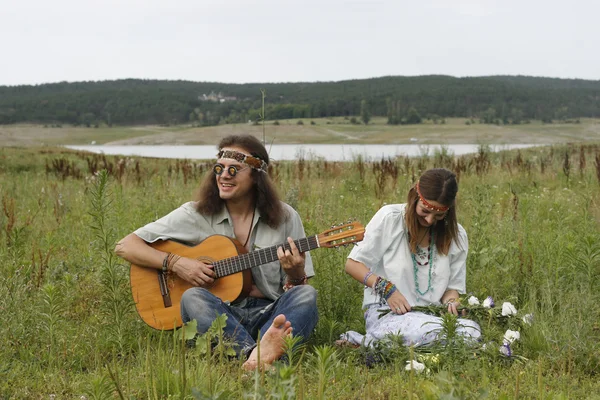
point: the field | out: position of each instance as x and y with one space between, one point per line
69 328
325 130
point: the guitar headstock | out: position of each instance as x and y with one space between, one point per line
340 235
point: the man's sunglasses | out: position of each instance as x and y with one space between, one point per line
232 169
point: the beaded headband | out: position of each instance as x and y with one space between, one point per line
253 162
427 204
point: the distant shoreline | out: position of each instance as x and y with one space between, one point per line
311 131
287 152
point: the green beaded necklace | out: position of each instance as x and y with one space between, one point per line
415 268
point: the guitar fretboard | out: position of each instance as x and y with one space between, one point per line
253 259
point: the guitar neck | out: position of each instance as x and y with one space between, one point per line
253 259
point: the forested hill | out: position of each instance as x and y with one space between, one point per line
134 101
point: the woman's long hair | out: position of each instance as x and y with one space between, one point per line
437 184
265 194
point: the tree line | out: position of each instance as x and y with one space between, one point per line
493 99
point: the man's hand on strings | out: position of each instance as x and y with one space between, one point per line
195 272
292 260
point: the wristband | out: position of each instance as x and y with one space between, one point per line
367 277
165 264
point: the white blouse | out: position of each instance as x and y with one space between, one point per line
386 252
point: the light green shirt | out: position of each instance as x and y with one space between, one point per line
188 226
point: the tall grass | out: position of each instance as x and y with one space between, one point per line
69 329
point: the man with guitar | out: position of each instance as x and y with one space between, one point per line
237 207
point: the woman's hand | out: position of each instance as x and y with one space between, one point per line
453 306
451 300
195 272
292 261
398 303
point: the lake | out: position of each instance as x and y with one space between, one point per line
330 152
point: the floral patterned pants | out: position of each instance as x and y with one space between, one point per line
416 328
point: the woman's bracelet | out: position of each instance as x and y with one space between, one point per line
367 277
384 288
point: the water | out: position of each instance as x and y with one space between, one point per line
330 152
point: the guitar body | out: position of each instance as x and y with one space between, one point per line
165 313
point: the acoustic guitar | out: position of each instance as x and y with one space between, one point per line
157 295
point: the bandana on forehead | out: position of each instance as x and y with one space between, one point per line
427 204
253 162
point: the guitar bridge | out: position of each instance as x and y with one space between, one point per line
164 289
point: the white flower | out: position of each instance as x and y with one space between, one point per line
473 301
488 302
528 319
511 336
505 349
415 365
508 309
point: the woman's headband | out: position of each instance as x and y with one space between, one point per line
253 162
427 204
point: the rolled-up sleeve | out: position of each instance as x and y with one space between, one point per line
182 224
379 235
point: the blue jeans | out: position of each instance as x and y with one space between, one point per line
244 320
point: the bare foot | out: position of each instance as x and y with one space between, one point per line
345 343
271 344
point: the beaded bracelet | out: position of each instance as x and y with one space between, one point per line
295 282
367 277
384 288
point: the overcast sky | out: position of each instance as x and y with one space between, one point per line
289 41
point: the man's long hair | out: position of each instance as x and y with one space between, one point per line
437 184
265 195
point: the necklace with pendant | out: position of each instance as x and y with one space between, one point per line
431 249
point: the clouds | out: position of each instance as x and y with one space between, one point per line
275 41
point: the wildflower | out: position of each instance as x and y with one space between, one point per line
489 302
473 301
429 359
414 365
511 336
508 309
505 350
528 319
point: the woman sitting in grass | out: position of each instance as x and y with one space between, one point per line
413 254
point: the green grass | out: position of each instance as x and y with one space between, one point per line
69 329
